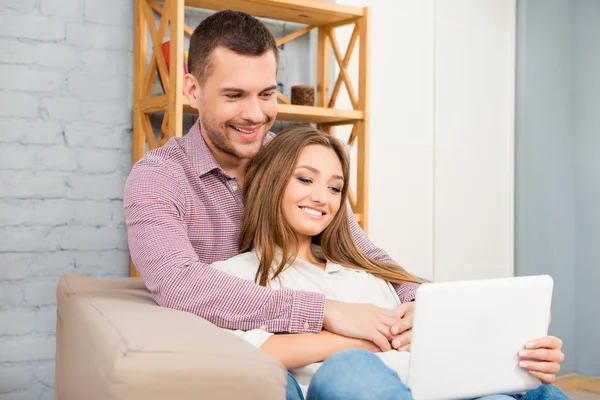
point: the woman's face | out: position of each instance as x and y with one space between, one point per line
313 194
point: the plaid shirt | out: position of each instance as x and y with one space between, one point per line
183 212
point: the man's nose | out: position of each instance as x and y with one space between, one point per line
252 112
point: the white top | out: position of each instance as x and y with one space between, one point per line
336 282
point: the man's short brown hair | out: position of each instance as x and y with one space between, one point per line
234 30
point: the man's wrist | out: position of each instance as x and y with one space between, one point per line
407 292
308 312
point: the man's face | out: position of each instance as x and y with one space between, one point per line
237 103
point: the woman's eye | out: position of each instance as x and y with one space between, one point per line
336 189
304 180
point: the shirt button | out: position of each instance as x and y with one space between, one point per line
263 327
234 188
306 325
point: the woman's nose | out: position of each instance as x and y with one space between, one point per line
318 194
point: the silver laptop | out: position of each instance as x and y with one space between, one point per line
466 336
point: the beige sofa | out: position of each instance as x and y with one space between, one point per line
114 342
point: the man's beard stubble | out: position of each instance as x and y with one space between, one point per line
222 143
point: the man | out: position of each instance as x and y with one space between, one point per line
183 202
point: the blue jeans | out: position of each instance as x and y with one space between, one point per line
361 375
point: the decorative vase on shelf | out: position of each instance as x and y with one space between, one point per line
303 95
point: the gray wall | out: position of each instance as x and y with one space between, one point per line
586 161
65 152
557 167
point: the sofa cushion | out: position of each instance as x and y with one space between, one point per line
115 342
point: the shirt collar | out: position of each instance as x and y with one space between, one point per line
299 263
200 156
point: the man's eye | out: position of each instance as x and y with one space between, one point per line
233 96
304 180
267 95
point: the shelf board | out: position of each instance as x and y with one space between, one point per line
309 12
322 115
286 112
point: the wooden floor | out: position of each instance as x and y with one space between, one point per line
581 395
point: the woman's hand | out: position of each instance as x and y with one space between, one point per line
402 328
542 358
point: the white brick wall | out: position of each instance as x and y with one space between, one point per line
65 151
10 295
30 131
30 79
99 36
70 10
15 378
16 104
31 26
30 347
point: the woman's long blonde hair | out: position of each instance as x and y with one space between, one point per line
264 226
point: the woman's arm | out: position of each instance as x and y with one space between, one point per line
300 349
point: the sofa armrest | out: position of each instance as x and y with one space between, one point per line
117 343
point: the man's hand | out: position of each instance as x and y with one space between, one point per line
542 358
402 328
360 321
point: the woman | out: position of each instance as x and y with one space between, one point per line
296 234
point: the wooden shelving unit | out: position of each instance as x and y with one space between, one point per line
324 17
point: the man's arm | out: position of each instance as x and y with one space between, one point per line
160 248
407 291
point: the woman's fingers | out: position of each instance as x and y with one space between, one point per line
545 378
382 342
402 340
405 348
396 327
403 325
384 329
542 355
548 342
543 367
542 358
